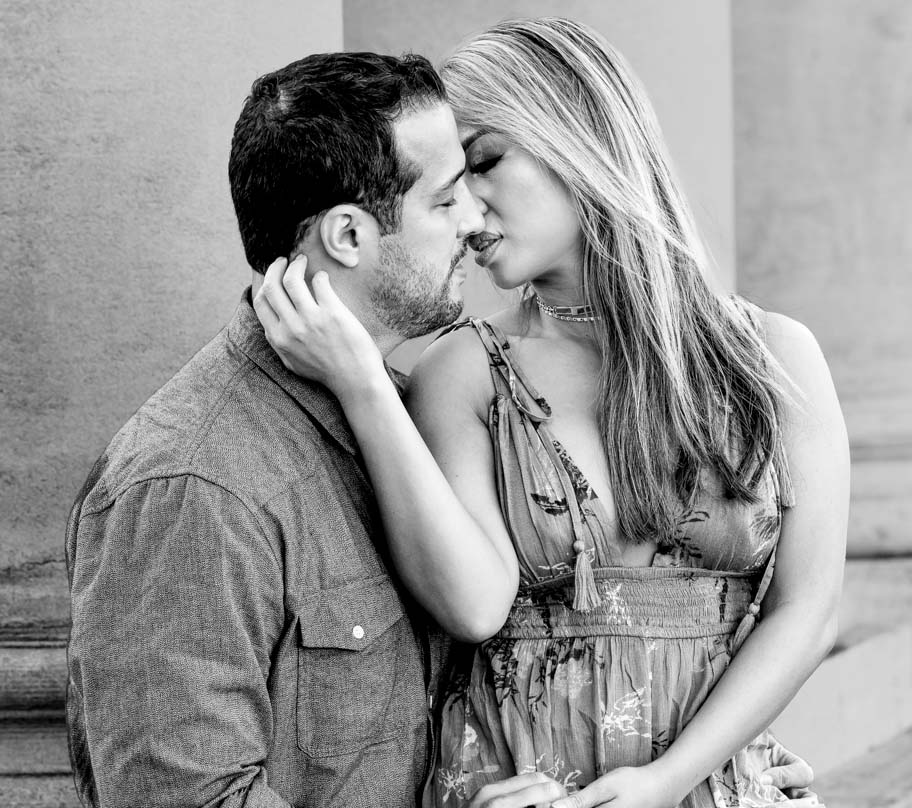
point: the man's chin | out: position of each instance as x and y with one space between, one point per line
444 317
452 314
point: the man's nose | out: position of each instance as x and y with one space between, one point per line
473 210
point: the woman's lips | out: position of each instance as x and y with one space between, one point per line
484 245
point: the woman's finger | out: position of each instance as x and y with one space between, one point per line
323 292
596 793
294 282
519 792
268 318
264 311
274 292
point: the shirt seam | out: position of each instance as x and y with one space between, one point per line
221 402
121 490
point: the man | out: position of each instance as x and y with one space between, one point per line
237 639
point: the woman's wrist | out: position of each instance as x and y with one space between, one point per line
672 782
366 393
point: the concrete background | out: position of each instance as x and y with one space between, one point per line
119 241
823 134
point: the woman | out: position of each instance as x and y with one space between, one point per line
634 446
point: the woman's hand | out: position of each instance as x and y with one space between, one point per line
626 787
523 790
646 787
315 335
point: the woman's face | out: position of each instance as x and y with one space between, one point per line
532 232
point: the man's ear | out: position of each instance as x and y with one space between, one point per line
349 234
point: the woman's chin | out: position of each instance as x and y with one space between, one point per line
502 278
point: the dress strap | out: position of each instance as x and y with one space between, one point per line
746 626
511 384
508 377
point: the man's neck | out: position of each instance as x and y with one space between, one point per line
385 340
386 343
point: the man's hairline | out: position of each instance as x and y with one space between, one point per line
406 164
413 107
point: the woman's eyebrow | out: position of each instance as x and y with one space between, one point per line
469 139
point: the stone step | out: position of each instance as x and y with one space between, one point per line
876 595
860 697
857 699
881 778
38 791
33 744
862 693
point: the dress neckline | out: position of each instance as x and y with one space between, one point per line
570 466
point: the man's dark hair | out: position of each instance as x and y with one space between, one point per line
319 133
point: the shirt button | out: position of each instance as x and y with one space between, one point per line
358 632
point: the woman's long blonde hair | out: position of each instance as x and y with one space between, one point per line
685 373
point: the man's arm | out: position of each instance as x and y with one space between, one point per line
177 601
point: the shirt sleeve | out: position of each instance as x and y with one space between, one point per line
177 603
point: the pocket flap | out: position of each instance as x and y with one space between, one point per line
351 616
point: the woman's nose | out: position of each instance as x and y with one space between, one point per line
474 210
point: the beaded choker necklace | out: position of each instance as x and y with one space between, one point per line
573 314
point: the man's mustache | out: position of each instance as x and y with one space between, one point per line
461 253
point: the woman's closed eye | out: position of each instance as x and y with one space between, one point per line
484 165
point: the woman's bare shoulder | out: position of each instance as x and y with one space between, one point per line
797 351
452 371
791 342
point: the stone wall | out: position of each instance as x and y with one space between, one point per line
121 258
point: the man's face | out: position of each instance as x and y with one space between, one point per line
418 283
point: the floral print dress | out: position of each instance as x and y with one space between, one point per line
577 692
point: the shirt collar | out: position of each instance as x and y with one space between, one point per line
246 332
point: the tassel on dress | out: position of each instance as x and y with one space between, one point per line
586 596
745 627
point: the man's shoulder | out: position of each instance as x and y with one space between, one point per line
219 418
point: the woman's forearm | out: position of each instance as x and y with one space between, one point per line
462 569
443 555
777 658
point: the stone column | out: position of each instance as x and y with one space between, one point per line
121 258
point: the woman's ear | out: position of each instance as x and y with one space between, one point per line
349 235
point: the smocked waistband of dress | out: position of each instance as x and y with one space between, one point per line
662 602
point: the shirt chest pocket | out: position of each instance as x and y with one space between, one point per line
360 674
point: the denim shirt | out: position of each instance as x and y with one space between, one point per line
237 639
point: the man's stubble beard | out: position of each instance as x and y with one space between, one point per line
406 298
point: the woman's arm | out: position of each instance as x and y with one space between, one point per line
800 609
459 565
